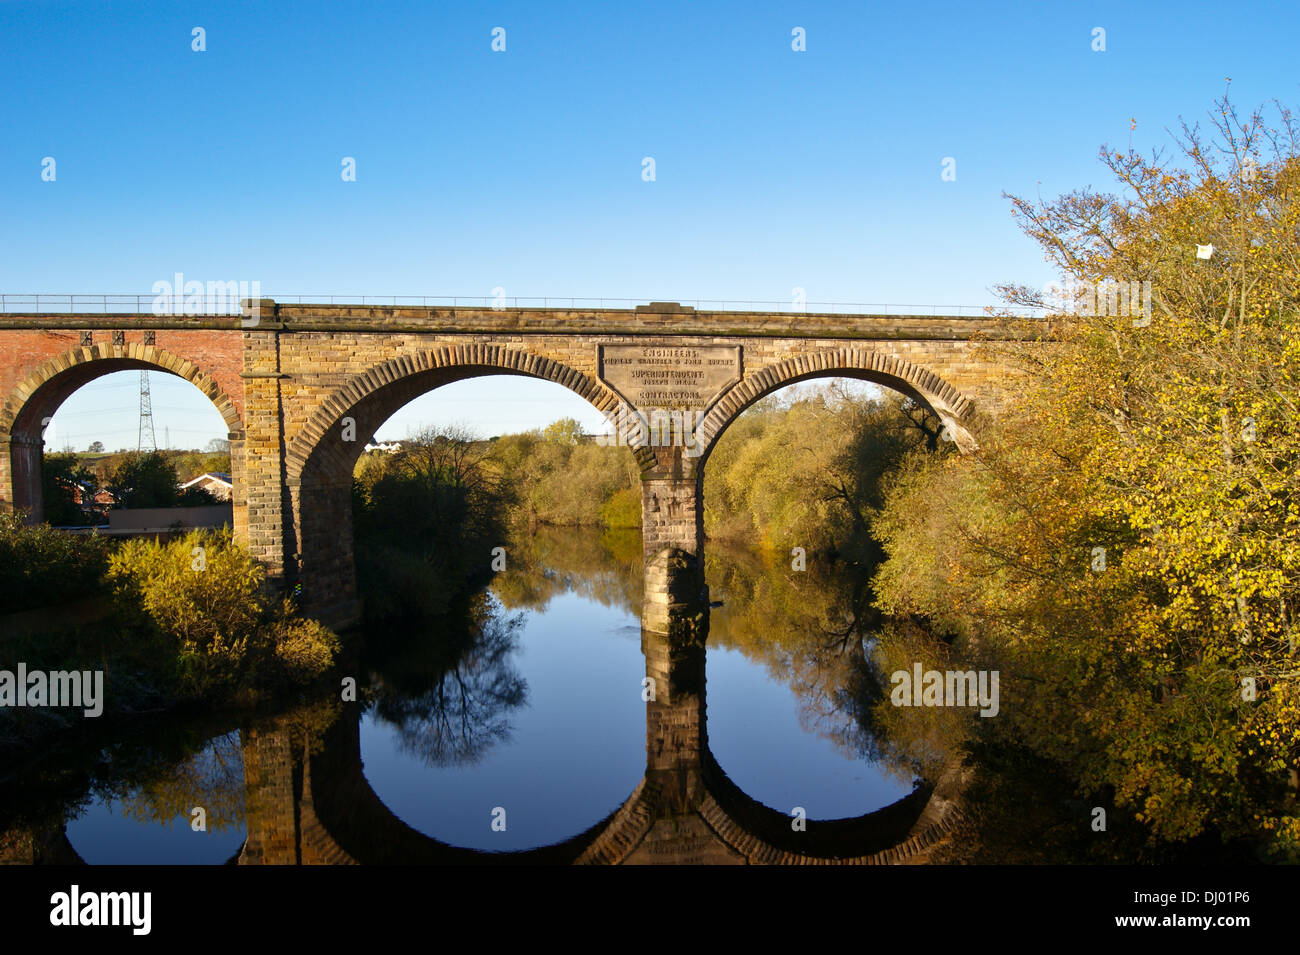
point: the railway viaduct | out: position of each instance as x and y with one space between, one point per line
302 388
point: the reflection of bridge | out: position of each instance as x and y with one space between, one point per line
684 811
303 387
308 801
318 807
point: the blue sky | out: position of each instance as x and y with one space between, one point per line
522 169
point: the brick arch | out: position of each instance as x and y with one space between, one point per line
57 378
916 382
406 378
43 390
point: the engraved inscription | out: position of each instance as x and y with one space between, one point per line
652 376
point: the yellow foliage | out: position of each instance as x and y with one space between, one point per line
1127 539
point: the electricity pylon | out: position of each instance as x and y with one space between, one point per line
146 416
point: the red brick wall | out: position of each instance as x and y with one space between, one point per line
218 353
211 357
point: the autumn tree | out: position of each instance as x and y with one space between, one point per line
425 520
565 431
1125 545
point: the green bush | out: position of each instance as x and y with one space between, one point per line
304 648
201 596
200 587
40 566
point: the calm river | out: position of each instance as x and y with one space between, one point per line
521 723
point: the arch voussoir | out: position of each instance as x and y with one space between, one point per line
903 375
308 442
23 392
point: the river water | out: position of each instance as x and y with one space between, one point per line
521 722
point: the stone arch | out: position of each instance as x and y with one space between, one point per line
318 463
38 395
954 408
406 378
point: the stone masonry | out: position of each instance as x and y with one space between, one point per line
302 388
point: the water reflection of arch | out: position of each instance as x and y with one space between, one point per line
893 833
744 831
319 808
685 810
343 820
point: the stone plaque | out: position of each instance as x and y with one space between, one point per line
670 376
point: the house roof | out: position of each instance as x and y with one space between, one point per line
219 476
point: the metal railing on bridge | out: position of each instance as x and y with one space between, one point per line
144 304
